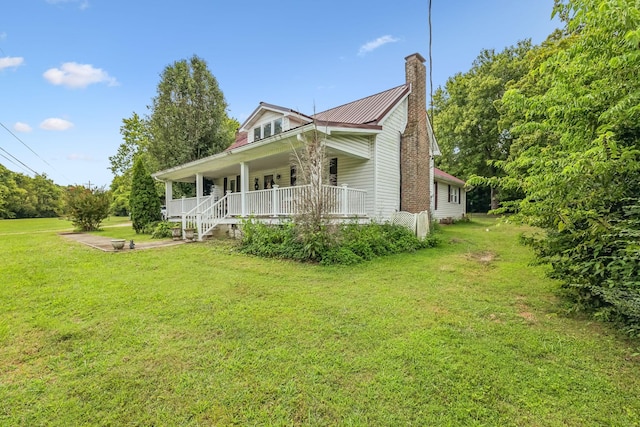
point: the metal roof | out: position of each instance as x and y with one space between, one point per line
369 110
447 177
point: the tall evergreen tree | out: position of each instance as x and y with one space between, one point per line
144 202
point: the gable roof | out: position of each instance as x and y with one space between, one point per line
364 113
369 110
263 106
443 176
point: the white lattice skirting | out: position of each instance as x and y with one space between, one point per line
416 223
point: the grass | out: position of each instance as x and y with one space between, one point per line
465 334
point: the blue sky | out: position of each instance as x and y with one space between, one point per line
71 70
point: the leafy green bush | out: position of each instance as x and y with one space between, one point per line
347 244
162 230
87 208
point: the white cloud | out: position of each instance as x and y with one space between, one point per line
83 4
374 44
74 75
21 127
10 62
80 157
56 124
3 36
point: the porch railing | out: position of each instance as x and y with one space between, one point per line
275 202
205 216
290 201
177 207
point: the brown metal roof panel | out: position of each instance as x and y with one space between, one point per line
366 110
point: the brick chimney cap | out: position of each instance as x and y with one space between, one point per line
417 56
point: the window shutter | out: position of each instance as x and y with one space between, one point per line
435 184
449 193
333 171
459 195
292 176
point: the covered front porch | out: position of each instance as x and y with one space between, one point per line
259 180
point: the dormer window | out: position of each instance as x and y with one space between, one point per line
267 129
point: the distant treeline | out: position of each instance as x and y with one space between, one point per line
24 197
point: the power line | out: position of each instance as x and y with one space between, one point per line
30 149
14 162
431 67
17 160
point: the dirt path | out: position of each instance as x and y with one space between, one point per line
104 243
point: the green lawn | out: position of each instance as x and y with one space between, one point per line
464 334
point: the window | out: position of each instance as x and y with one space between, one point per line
268 182
453 195
333 171
267 129
292 177
207 186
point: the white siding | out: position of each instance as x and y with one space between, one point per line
358 174
284 171
357 145
387 167
446 209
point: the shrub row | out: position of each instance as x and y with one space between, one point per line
345 244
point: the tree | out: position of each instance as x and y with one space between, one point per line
144 202
466 119
87 208
312 170
24 197
188 117
577 156
48 197
136 134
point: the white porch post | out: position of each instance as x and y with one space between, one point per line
198 197
244 186
274 200
168 194
184 218
198 188
345 200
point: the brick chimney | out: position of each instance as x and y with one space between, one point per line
415 155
